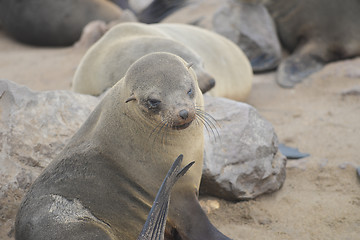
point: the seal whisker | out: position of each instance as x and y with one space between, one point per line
164 131
156 127
211 124
206 118
208 115
165 128
160 127
199 119
210 118
207 125
196 120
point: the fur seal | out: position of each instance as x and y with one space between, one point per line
101 186
213 56
55 23
315 33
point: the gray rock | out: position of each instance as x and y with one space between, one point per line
249 25
34 127
243 161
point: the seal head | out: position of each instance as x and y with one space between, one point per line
155 104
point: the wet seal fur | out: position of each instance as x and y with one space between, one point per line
53 22
213 57
102 185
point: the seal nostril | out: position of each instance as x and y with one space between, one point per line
184 114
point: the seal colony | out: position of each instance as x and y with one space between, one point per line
313 32
213 57
103 183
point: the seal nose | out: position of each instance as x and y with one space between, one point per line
184 114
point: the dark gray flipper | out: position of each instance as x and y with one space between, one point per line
154 227
159 9
295 68
291 153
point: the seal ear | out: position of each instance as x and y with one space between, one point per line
131 98
189 65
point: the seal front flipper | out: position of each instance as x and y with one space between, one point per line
297 67
154 227
189 220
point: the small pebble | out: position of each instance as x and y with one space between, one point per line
351 92
209 205
344 165
265 221
323 163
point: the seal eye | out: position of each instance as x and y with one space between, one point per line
153 103
190 93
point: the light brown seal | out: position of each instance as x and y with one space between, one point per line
101 186
213 57
107 61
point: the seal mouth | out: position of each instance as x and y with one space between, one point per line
181 127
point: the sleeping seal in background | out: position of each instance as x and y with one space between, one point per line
53 22
103 183
213 57
315 33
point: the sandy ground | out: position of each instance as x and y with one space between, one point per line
321 195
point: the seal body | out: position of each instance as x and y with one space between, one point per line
213 57
52 22
101 186
315 33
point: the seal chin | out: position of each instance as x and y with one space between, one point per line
181 127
